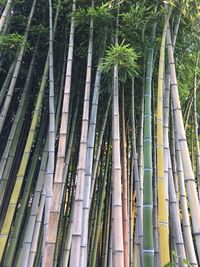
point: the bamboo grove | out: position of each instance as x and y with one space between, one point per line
99 137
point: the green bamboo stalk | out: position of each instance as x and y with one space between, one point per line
13 139
100 210
148 245
18 223
104 258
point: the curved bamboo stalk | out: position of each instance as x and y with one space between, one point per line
188 171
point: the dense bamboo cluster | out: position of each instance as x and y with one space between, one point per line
99 166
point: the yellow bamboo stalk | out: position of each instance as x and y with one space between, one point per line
162 183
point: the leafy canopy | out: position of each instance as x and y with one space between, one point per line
13 40
123 55
100 15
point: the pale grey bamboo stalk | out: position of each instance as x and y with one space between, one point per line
6 82
173 153
175 218
166 128
80 221
90 153
118 248
136 250
37 228
5 14
9 95
29 233
136 175
51 135
188 171
196 126
89 161
58 176
67 245
187 234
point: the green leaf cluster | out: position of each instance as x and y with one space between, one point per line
124 56
11 41
101 15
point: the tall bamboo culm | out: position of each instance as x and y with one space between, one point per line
148 245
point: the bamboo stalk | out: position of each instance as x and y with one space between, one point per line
187 233
58 177
10 92
196 135
148 246
5 13
137 179
125 190
162 183
51 138
80 220
188 171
